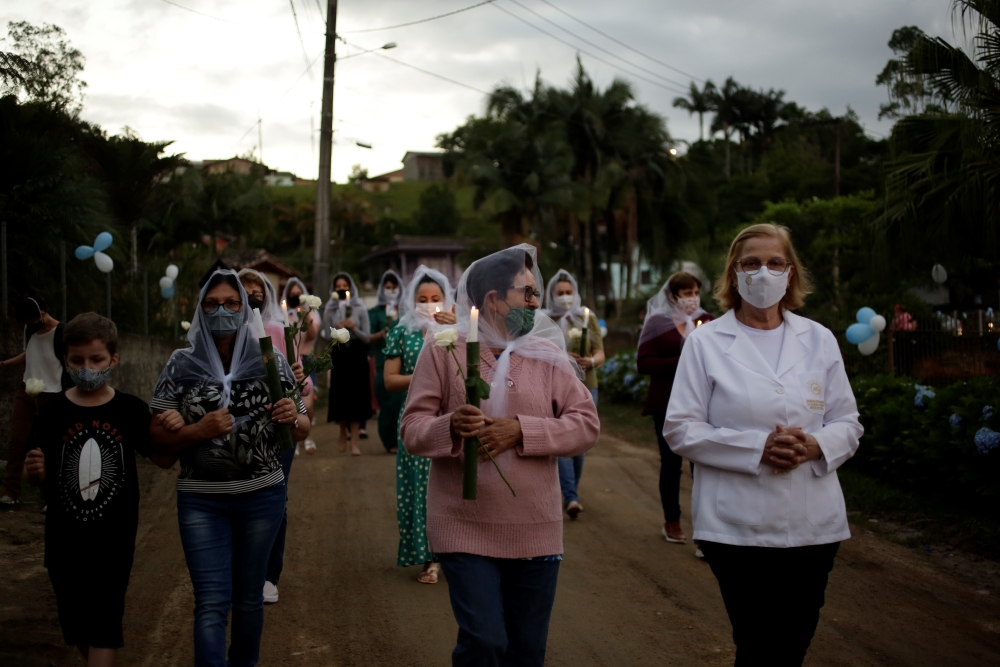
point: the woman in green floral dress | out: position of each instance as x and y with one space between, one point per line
428 306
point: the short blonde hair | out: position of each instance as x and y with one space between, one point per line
799 285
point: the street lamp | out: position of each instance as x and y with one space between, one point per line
384 47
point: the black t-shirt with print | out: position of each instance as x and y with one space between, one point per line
91 483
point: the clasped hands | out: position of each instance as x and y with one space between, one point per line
498 434
788 447
220 422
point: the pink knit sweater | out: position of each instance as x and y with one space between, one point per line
558 418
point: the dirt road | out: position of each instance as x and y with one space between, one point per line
625 596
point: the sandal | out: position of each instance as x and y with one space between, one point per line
310 447
430 574
673 533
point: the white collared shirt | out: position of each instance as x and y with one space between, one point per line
726 399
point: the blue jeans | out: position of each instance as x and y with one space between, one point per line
227 538
502 607
570 471
276 562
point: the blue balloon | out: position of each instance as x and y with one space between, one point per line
103 241
167 293
859 333
865 315
84 252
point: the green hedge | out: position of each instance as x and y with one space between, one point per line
939 441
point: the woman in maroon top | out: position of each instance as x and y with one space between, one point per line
671 315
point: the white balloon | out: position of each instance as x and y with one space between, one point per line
939 274
166 282
877 323
172 272
869 346
104 263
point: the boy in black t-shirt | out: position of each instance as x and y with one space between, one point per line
82 452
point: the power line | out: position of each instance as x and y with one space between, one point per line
597 46
673 89
419 69
432 18
215 18
621 43
295 16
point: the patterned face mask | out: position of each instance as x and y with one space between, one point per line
519 321
89 379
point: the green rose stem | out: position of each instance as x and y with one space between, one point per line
284 431
476 389
290 345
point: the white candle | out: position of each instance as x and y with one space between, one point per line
473 336
348 295
284 309
258 323
586 316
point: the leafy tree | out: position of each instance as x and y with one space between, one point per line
437 214
42 65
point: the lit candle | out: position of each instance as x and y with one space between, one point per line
586 316
284 309
348 295
258 324
473 336
437 309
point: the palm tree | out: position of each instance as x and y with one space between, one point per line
726 103
698 102
943 178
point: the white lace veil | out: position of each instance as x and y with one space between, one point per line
271 312
201 361
335 310
484 284
566 317
409 317
383 299
664 314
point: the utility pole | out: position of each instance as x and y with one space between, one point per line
260 139
321 243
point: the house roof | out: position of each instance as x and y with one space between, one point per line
423 154
401 244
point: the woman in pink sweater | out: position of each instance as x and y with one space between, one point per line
500 553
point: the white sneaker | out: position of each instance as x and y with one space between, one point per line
310 447
270 593
7 500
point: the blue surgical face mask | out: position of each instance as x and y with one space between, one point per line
89 379
222 322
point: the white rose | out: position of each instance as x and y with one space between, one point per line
311 302
34 386
575 333
446 337
342 336
185 325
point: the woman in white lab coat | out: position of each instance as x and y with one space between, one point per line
761 403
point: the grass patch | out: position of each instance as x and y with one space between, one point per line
937 518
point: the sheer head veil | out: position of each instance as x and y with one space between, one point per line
664 314
288 286
383 299
566 317
340 305
409 317
271 313
201 362
495 284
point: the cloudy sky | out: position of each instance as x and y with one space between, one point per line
199 76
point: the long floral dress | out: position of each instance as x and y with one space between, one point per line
411 471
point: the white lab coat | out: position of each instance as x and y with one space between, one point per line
726 400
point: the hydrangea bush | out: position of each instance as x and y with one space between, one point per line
619 380
937 440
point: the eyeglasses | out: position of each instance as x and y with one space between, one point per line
530 293
231 306
752 265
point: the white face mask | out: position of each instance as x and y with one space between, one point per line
565 302
427 310
392 294
762 290
689 304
